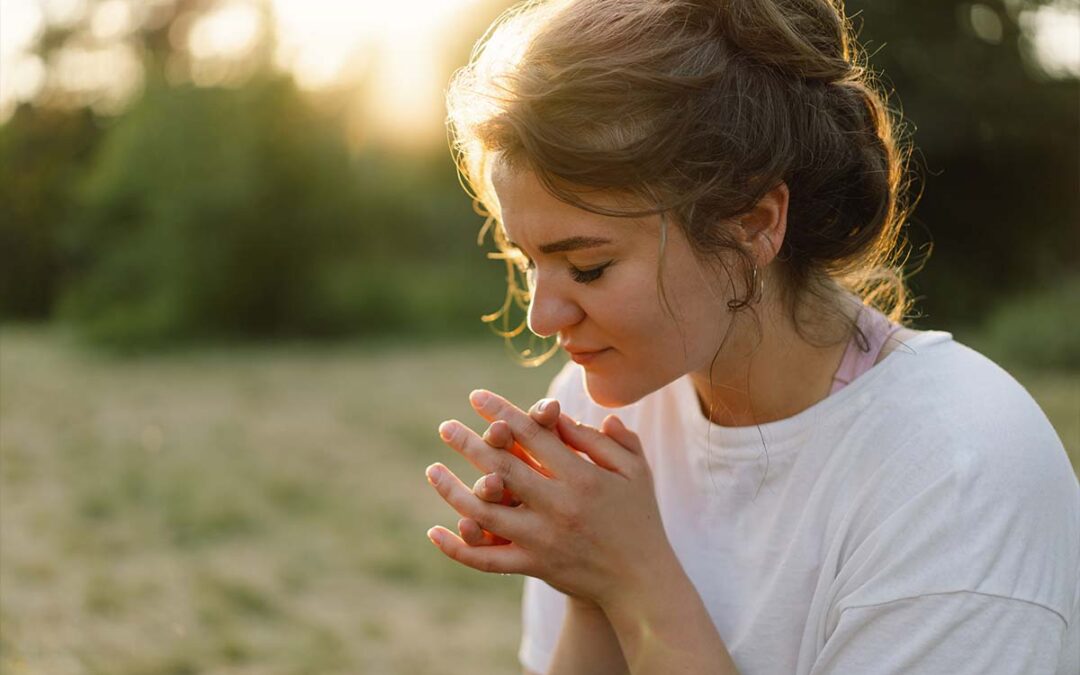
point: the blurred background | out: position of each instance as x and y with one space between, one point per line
240 287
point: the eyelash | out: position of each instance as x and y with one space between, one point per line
580 276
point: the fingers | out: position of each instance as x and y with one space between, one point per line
508 522
526 483
542 443
613 426
604 450
499 435
490 488
546 412
474 535
509 559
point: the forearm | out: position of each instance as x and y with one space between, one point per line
663 627
587 643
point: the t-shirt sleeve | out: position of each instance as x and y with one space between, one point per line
962 633
543 607
961 553
542 612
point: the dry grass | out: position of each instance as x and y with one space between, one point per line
254 511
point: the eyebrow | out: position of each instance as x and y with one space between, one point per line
569 244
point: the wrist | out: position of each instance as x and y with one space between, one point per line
650 591
658 573
581 604
663 625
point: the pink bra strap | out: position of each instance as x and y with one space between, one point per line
878 329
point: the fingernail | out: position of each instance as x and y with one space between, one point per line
435 536
489 482
434 474
544 405
479 398
446 430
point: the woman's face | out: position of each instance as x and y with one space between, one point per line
605 295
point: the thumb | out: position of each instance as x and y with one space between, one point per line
613 426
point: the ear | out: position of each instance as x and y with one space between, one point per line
764 225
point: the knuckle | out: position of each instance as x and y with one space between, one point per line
503 467
485 564
571 517
639 468
529 430
485 517
546 540
587 484
575 524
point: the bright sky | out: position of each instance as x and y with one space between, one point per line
396 47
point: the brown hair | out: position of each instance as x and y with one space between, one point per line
699 108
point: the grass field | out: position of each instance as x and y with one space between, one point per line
255 511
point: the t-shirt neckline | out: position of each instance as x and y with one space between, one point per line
780 436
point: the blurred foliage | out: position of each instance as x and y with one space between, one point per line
216 213
42 154
1036 329
996 155
208 210
238 212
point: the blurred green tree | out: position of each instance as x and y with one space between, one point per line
996 139
43 153
208 211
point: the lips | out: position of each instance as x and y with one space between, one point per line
587 356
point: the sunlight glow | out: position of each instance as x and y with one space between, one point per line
102 77
227 32
388 56
111 20
1054 30
390 52
21 75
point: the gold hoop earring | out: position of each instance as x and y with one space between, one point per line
759 284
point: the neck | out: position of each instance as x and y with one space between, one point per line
772 377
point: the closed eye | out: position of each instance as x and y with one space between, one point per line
579 275
588 276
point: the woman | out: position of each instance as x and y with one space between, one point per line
751 465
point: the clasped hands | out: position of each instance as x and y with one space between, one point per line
591 529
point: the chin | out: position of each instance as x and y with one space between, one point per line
608 394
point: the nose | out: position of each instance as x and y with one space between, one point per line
551 309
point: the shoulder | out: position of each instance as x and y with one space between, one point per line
941 393
948 410
897 340
953 479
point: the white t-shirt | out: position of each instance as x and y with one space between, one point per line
923 519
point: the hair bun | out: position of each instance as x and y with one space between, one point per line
805 38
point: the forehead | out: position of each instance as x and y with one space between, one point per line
530 214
